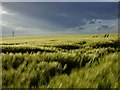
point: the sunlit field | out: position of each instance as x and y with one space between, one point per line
71 61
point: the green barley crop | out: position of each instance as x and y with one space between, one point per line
72 61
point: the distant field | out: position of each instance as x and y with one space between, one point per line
71 61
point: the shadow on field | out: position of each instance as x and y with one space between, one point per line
23 50
67 47
13 43
10 43
53 40
81 43
113 44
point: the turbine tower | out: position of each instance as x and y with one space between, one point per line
13 33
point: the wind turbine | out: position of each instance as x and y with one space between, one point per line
13 33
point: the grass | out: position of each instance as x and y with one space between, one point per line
73 61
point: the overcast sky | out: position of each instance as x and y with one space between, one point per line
60 0
58 18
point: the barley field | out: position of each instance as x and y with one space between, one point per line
69 61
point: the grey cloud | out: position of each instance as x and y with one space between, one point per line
60 1
58 17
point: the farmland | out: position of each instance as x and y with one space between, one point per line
71 61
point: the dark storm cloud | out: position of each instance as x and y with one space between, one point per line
55 16
71 11
61 1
